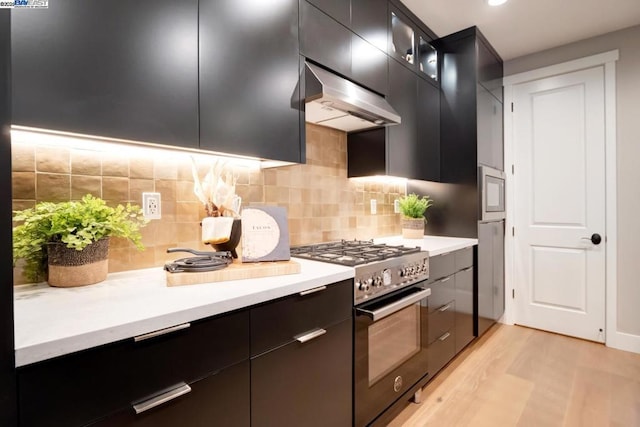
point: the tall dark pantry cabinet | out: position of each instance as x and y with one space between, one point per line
7 362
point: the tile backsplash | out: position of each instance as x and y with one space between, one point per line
322 203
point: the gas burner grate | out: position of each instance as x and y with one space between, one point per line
350 252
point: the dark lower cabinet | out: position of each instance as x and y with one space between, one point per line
84 387
301 364
451 327
249 73
116 69
464 308
490 295
305 384
221 399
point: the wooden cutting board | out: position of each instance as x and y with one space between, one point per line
235 271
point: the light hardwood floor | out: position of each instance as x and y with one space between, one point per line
515 376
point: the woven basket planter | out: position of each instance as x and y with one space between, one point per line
69 267
413 228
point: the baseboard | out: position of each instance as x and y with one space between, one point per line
624 341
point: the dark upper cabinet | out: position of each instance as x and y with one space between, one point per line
368 65
340 10
428 122
324 40
403 138
471 116
410 149
490 129
369 21
117 69
402 38
249 72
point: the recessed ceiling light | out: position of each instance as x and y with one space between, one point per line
496 2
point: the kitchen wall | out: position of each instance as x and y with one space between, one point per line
627 41
322 203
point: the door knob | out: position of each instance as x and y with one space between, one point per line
595 238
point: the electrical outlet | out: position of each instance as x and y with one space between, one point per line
396 206
374 206
151 205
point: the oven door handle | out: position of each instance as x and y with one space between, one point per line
395 306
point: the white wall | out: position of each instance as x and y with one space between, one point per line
627 41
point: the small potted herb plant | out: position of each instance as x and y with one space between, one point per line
413 209
68 242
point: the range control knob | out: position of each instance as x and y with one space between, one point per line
377 281
363 286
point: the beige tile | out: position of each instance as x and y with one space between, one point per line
188 231
141 259
23 158
23 185
137 187
270 177
86 162
141 167
185 171
166 234
164 168
19 205
83 184
167 188
115 189
184 192
53 159
53 187
189 212
119 260
168 211
115 164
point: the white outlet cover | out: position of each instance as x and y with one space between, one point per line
396 206
152 205
374 206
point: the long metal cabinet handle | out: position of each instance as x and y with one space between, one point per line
394 307
312 291
445 336
161 332
446 279
468 268
310 335
445 307
180 390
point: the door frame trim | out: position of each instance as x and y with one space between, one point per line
613 338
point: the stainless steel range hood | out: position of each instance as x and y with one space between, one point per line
336 102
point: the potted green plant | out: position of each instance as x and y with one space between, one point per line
68 242
413 209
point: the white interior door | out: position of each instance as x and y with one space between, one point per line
559 202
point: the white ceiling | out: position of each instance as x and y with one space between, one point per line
520 27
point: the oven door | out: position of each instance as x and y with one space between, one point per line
390 349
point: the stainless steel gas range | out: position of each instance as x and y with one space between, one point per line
390 320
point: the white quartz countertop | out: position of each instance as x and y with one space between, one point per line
434 245
51 322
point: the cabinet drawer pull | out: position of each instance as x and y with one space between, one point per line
161 332
180 390
310 335
444 308
445 336
446 279
468 268
313 291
